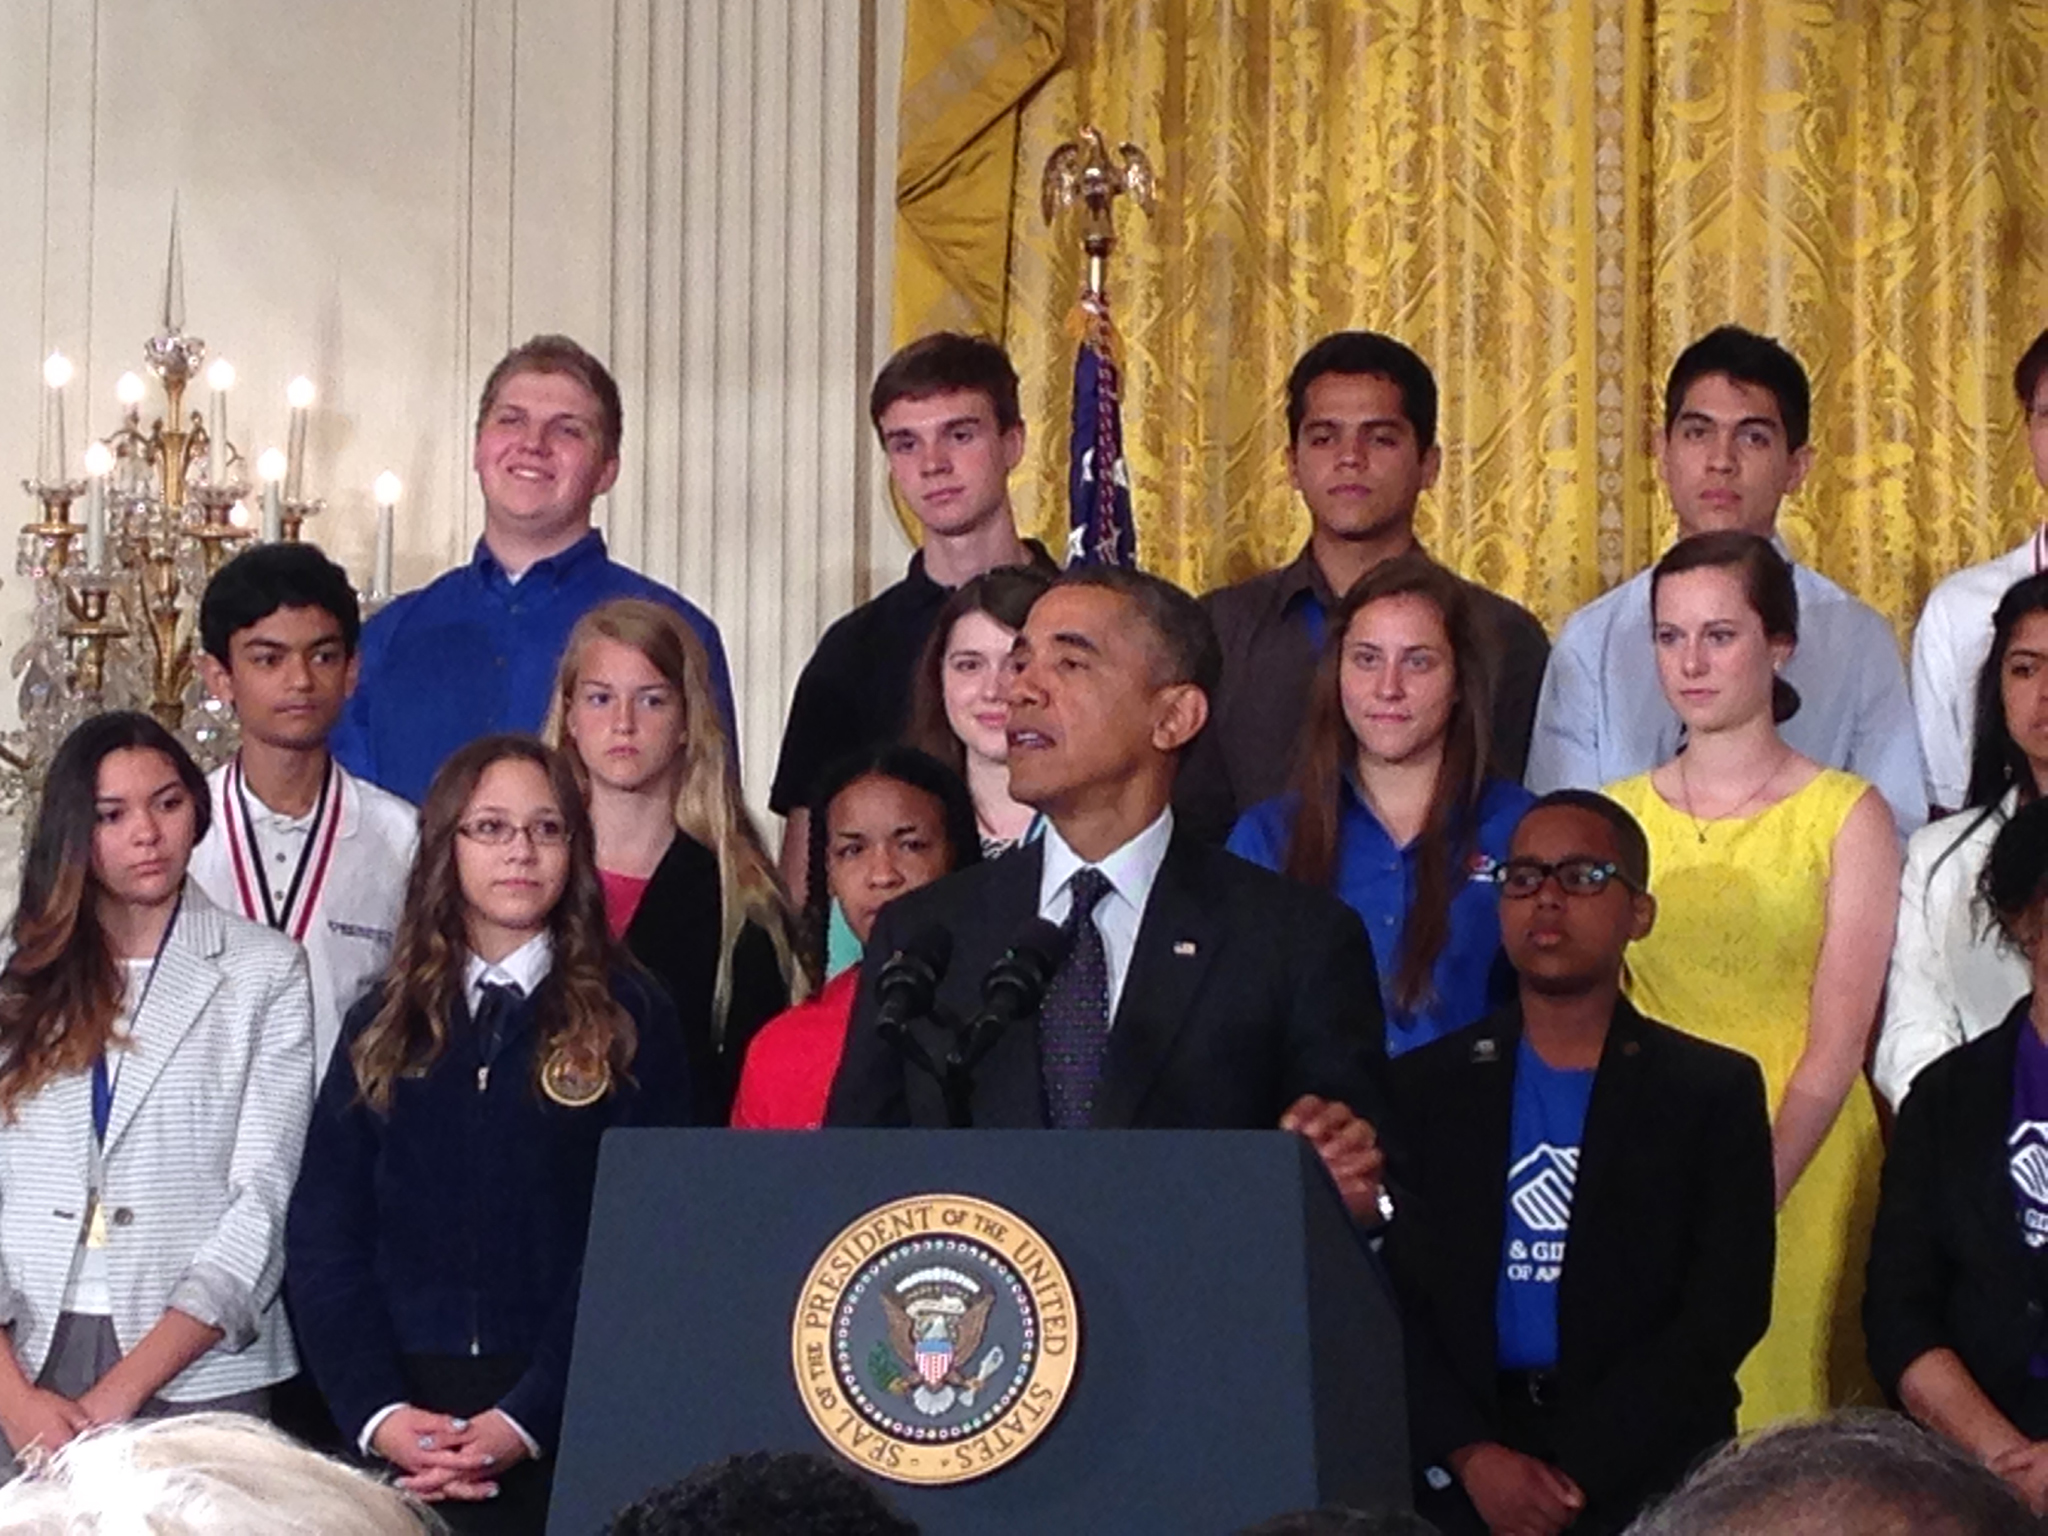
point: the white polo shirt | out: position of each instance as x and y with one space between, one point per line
350 868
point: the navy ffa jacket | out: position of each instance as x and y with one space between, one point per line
455 1224
1667 1269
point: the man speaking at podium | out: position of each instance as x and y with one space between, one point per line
1195 991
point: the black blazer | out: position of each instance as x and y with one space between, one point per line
674 934
1667 1270
1948 1267
1245 991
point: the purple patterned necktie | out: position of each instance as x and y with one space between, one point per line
1073 1026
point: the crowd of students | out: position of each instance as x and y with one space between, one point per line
1576 966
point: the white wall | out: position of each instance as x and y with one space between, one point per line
386 194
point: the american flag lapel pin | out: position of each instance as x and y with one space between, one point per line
1184 947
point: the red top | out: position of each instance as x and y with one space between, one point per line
792 1061
622 895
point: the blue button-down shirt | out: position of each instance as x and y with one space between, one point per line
1603 716
1376 879
475 652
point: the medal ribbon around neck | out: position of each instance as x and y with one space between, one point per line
301 897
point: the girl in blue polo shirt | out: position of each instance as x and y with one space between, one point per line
1391 808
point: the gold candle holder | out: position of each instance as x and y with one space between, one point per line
215 529
90 626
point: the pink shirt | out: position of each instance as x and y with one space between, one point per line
622 895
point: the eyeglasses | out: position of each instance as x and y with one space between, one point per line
1522 878
496 831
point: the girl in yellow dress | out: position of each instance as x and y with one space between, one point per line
1776 882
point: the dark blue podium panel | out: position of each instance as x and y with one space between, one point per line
1239 1348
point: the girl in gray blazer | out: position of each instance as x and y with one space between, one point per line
156 1069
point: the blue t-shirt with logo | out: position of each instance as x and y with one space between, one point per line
1544 1134
2027 1149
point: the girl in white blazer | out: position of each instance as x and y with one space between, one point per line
1953 974
155 1083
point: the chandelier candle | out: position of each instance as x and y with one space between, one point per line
220 378
51 461
387 492
299 396
270 467
99 461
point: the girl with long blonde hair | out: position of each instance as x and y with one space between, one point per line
688 885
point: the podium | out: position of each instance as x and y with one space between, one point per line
1235 1347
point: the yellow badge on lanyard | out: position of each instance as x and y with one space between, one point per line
96 1225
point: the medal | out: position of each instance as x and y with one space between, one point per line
295 915
571 1083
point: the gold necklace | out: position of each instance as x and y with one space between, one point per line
1685 783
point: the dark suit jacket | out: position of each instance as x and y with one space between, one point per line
1667 1270
674 933
1948 1267
1245 991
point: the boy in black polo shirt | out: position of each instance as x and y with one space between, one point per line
945 408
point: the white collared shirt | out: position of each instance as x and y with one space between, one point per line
355 920
1131 870
1950 642
525 968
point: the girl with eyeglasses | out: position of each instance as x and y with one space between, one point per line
156 1069
436 1234
1392 809
688 887
1776 882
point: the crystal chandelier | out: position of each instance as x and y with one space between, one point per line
116 593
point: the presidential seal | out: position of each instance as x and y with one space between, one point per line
935 1339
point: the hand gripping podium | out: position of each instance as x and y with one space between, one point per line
1102 1332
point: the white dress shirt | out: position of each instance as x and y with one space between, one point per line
1131 870
1950 644
88 1293
1953 977
1602 715
525 968
355 919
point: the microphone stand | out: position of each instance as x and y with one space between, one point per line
954 1074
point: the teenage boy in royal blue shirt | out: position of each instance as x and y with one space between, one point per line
1584 1229
475 651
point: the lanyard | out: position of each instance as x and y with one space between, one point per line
296 915
103 1082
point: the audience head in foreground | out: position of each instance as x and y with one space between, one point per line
207 1474
1855 1474
763 1493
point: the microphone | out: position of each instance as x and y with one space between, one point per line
1015 985
906 989
910 977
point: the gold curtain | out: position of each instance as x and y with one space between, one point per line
1547 198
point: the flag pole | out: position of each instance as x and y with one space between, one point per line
1082 174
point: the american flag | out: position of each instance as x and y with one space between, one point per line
1100 527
